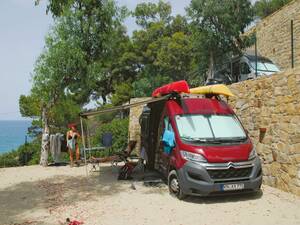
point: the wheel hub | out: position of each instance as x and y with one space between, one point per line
174 185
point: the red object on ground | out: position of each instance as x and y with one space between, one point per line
178 86
75 222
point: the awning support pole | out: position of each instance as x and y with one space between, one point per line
292 43
83 143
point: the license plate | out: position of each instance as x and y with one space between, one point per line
232 187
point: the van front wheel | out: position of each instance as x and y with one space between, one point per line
174 186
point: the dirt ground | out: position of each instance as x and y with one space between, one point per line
36 195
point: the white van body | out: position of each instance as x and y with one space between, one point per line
247 64
244 68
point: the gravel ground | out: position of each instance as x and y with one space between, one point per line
37 195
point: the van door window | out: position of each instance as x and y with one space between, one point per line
168 137
167 124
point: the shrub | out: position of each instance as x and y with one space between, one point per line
119 130
9 159
26 154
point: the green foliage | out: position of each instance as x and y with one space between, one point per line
148 13
144 86
29 106
106 117
163 48
64 112
175 56
9 159
119 130
26 154
263 8
123 93
217 27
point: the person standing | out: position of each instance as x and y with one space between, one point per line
72 144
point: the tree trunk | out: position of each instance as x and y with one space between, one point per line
45 139
210 72
104 99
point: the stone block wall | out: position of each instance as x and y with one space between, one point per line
274 35
269 109
134 129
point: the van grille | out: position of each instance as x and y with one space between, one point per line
231 173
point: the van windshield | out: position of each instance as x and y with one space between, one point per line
205 128
265 66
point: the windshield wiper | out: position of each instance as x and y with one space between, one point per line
201 140
233 139
188 138
214 140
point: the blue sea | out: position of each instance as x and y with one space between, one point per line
12 134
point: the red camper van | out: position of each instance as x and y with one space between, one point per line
198 143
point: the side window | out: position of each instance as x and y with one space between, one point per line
167 124
245 68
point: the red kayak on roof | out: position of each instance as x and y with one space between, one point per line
178 87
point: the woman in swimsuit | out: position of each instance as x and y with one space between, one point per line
72 144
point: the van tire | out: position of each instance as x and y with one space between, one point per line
174 186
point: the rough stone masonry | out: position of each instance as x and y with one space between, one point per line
269 108
274 35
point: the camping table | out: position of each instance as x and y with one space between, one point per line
93 149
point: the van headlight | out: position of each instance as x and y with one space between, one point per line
192 156
252 154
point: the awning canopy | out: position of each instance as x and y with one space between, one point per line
122 107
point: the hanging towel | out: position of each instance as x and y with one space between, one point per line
55 146
71 143
169 141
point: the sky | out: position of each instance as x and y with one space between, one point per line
23 29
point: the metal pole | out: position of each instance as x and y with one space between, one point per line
83 143
231 70
292 42
255 56
88 139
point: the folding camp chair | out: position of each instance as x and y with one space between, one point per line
130 163
123 156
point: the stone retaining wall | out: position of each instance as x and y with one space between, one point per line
274 35
269 108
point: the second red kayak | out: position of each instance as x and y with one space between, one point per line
178 86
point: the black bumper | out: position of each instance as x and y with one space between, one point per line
194 179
